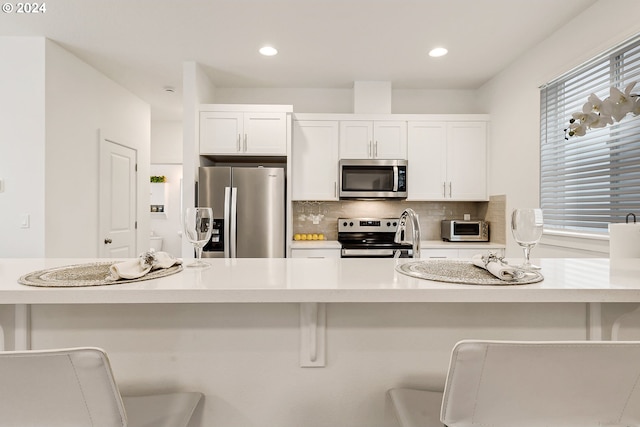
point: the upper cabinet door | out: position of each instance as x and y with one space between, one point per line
360 139
467 160
265 134
389 140
220 132
427 170
238 133
356 139
447 161
315 160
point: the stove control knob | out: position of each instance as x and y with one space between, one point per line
395 224
351 224
344 223
388 224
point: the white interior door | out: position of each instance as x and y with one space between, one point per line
118 189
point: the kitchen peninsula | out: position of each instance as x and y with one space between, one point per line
326 280
238 327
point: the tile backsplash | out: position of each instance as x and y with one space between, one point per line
322 217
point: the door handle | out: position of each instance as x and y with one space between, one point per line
107 241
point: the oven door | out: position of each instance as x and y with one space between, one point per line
371 179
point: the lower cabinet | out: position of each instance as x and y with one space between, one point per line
457 253
315 253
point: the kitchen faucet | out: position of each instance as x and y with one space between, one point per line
401 231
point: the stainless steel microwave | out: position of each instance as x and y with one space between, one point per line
373 179
455 230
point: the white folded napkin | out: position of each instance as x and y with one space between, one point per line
497 267
138 267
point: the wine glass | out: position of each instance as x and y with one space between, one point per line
197 224
526 226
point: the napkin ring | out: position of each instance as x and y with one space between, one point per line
492 257
148 258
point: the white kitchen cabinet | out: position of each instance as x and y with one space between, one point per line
243 133
448 160
316 253
458 253
364 139
315 160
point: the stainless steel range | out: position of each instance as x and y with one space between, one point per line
370 238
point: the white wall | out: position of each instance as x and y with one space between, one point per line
22 131
166 142
341 100
79 102
197 89
513 100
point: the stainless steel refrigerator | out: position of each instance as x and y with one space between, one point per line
248 209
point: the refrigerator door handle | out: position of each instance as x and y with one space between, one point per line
227 219
233 253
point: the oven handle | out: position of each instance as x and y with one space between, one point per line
371 252
395 178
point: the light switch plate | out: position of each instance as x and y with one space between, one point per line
1 185
25 220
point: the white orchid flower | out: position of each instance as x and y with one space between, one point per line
598 113
594 104
636 106
621 102
577 129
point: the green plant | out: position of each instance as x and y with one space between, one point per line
159 178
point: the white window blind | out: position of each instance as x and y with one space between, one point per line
587 182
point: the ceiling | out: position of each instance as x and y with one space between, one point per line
142 44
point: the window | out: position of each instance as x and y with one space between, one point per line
587 182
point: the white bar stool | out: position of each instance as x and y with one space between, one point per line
531 384
76 388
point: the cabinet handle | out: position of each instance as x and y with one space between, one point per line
375 149
238 150
107 241
444 189
245 142
450 191
370 149
335 189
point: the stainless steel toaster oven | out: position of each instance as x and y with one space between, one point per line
456 230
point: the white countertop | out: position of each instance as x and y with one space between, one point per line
327 280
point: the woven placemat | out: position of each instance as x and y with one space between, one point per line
463 272
91 274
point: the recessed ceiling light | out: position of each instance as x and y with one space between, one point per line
268 51
438 51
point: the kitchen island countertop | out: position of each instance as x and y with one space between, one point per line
330 280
